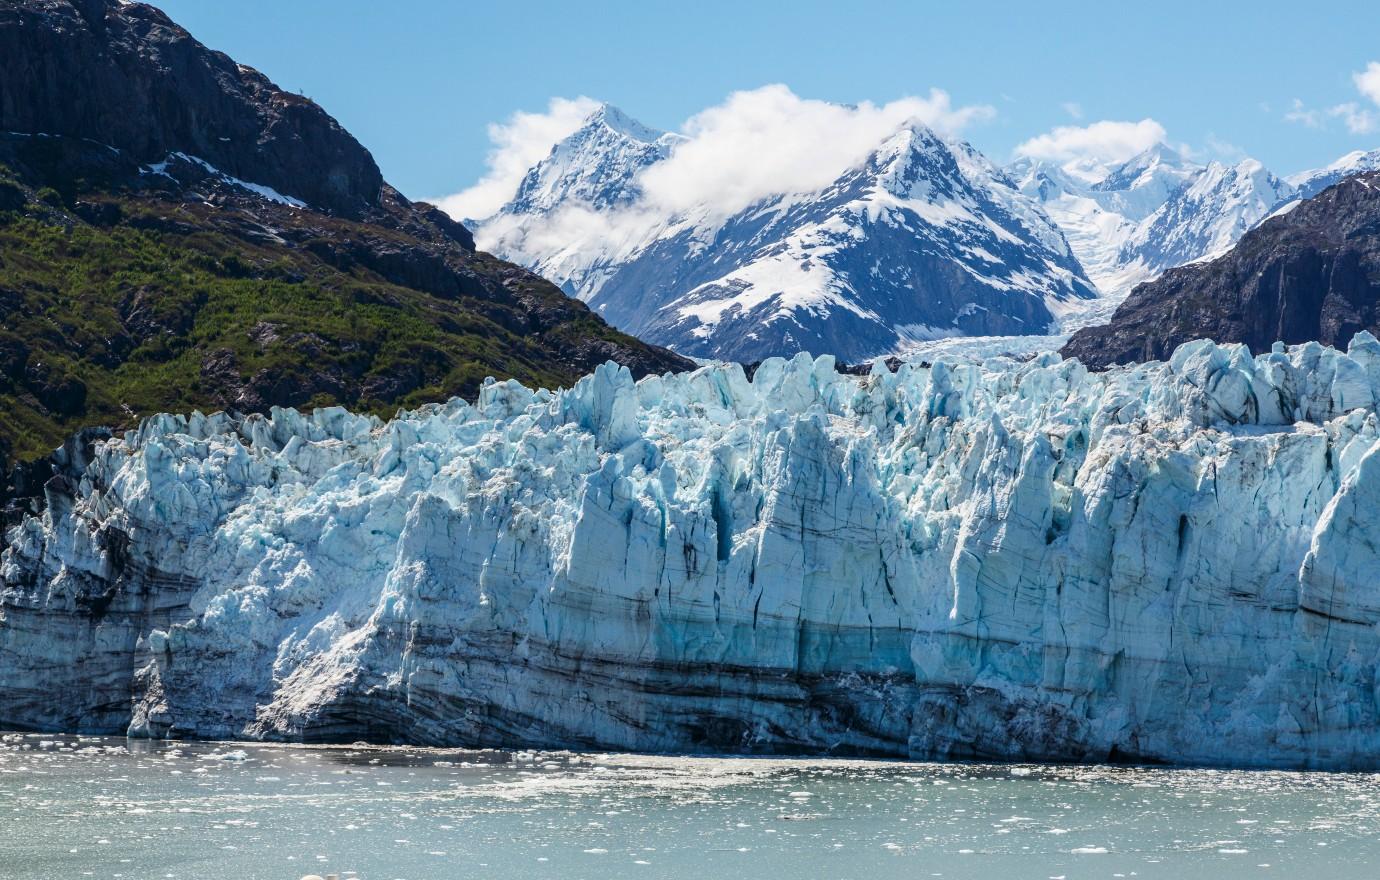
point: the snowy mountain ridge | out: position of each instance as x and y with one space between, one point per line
1127 223
597 165
1310 183
923 238
917 247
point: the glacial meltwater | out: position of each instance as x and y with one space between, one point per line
73 807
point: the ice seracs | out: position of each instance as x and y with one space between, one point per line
1167 562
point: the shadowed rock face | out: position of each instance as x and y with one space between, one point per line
1312 274
1169 563
124 74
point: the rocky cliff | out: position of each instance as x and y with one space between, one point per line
1309 273
125 75
1170 563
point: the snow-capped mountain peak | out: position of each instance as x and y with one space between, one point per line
1159 166
914 163
1310 183
1130 221
1041 181
596 165
1204 218
923 237
619 122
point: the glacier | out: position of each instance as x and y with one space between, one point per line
1170 562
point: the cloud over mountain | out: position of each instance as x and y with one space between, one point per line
755 143
1105 141
518 144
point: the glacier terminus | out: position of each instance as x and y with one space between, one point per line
1168 562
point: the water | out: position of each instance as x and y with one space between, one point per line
74 807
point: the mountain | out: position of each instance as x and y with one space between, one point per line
1131 221
1308 274
1099 207
177 232
1309 183
923 238
124 75
597 165
552 224
1172 563
1206 216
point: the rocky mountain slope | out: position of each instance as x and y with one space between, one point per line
1311 273
1166 563
923 238
176 232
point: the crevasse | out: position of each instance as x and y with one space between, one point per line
1170 562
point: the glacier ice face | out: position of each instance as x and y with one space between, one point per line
1170 562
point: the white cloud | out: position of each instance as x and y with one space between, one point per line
1073 109
518 144
1225 149
769 140
1104 141
1368 81
1358 119
1298 113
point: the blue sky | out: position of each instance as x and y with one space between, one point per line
419 82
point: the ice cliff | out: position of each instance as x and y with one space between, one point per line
1171 562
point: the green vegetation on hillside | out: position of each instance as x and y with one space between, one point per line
102 325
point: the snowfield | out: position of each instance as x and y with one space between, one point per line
1167 562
